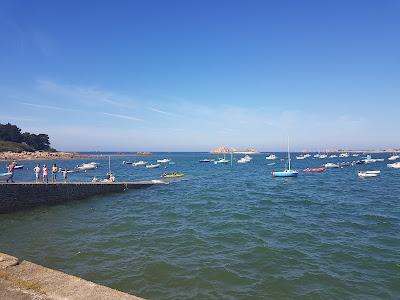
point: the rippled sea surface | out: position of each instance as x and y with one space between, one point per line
224 232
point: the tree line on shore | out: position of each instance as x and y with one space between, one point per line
12 133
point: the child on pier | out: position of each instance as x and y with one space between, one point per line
45 171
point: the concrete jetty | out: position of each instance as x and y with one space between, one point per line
23 280
18 196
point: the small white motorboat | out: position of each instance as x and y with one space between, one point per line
152 166
221 161
369 173
370 160
356 155
205 160
139 163
271 157
301 157
394 165
86 167
5 176
333 156
394 157
164 160
331 166
323 156
245 159
343 155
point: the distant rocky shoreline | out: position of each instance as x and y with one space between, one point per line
42 155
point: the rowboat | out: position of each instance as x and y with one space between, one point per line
315 170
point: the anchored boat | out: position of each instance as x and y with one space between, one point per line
152 166
172 175
315 170
369 173
288 172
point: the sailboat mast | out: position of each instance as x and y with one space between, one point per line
288 151
109 164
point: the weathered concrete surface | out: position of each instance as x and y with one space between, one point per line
26 281
17 196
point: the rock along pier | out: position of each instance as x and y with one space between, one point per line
18 196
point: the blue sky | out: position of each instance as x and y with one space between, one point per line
194 75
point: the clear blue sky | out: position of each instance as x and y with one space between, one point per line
194 75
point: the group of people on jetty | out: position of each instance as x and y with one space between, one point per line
44 170
45 173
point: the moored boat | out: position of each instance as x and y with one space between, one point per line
172 175
164 160
287 172
271 157
139 163
394 157
331 166
394 165
315 170
86 167
152 166
369 173
206 160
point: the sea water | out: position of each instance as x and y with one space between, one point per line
223 232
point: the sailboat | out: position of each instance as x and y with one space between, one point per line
288 172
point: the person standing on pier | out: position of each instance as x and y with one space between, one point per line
10 169
54 171
45 171
65 174
37 172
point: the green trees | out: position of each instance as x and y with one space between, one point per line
11 133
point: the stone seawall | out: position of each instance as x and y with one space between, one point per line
23 280
17 196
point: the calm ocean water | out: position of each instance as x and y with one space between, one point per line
224 232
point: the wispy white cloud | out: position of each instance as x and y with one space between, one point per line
160 111
122 116
44 106
85 93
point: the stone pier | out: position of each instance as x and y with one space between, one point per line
23 280
18 196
